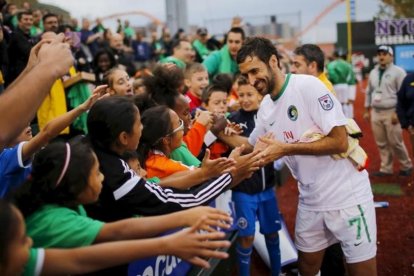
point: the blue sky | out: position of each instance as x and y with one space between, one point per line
212 13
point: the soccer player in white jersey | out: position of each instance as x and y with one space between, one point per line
335 199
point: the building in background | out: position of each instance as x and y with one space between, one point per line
177 15
367 35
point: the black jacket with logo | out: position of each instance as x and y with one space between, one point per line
125 194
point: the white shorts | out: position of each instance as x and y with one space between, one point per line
352 92
342 92
355 228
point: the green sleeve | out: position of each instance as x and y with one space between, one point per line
61 227
351 79
212 63
201 49
332 75
34 265
184 155
154 180
180 64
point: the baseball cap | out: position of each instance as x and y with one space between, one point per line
202 31
385 49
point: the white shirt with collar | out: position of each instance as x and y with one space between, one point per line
324 183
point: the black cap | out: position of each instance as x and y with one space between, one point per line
385 49
202 31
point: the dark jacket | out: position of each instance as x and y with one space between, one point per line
125 194
263 178
405 102
19 50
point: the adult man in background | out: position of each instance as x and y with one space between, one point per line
19 46
182 54
309 59
380 106
405 106
224 60
200 45
123 54
37 27
341 75
51 23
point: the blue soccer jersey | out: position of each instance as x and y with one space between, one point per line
13 170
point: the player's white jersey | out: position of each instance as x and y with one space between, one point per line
324 183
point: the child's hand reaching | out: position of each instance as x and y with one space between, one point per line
192 246
219 124
214 218
98 93
205 118
232 129
246 164
216 167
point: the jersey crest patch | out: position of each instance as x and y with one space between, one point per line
292 113
326 102
242 223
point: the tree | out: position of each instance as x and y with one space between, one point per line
400 8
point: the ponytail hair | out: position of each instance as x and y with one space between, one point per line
163 86
156 122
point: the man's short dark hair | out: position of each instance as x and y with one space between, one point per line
46 16
20 14
312 53
259 47
176 43
237 30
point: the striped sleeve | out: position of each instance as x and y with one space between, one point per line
147 198
191 198
125 193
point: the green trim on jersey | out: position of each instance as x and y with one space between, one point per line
35 262
282 90
154 180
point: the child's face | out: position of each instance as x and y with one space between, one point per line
217 103
104 63
249 98
135 135
134 164
121 84
176 137
19 246
92 191
198 81
182 108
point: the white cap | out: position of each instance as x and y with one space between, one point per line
386 49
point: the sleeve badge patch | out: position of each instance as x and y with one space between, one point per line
326 102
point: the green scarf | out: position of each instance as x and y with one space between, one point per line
201 49
227 64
